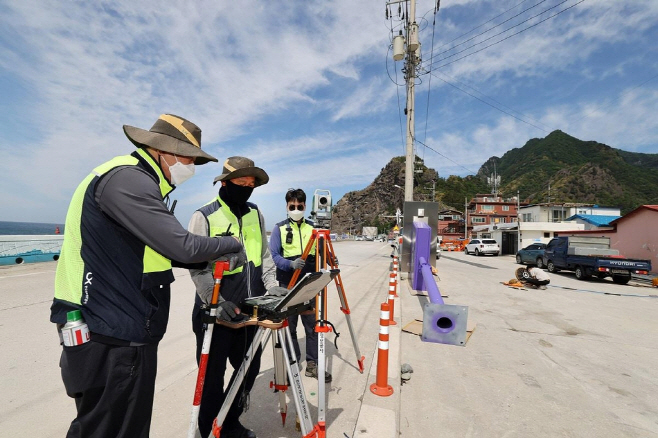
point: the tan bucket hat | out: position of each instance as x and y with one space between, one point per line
173 134
235 167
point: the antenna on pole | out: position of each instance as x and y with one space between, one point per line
494 182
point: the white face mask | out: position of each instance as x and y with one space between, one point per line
180 172
296 215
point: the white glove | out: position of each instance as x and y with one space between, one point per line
234 259
277 291
298 263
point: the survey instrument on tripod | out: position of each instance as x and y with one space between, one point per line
326 257
209 320
271 313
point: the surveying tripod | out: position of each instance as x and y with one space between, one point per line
286 369
285 362
325 255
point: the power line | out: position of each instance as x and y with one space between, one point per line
488 21
429 85
400 113
506 38
487 103
397 88
500 24
447 158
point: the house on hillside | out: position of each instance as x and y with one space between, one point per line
634 235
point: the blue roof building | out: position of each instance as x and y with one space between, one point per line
593 221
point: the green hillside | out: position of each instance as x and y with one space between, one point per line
577 171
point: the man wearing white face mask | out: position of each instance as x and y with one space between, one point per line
287 243
115 268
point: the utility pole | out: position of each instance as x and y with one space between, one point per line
412 59
465 218
518 221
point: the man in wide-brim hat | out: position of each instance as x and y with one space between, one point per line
115 267
231 212
175 139
237 167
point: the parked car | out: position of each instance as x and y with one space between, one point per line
438 253
531 254
360 238
482 247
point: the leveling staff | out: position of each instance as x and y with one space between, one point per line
116 268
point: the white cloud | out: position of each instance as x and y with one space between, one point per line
300 86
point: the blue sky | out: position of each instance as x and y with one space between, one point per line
307 88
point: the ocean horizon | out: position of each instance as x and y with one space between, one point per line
29 228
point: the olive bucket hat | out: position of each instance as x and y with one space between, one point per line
235 167
172 134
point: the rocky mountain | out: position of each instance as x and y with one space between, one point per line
577 171
375 205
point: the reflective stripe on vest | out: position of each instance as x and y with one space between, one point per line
252 238
300 237
69 278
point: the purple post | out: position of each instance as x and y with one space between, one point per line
429 283
421 248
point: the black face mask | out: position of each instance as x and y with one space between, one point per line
235 195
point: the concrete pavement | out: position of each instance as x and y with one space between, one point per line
32 397
575 360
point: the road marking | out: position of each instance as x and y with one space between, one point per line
25 275
468 263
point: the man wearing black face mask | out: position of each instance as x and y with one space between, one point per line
230 212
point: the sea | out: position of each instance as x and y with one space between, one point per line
29 228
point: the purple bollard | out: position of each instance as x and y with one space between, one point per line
421 249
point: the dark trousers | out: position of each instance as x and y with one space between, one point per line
113 389
226 344
537 282
308 321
